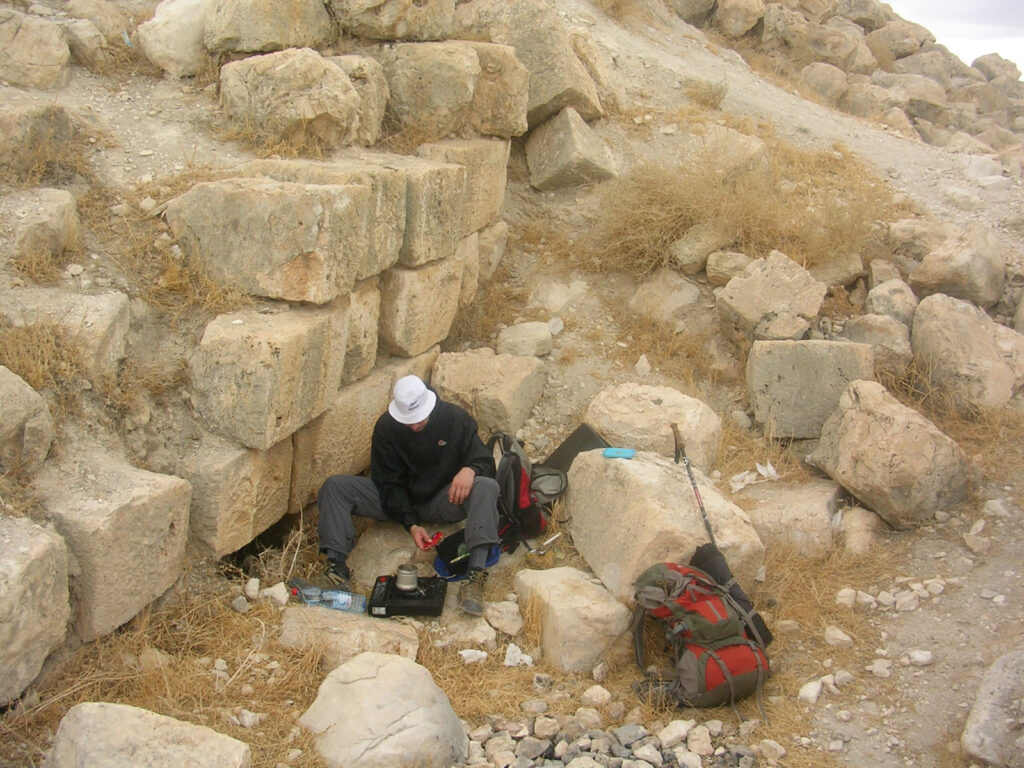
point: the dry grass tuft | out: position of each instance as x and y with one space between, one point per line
404 140
709 95
46 356
42 266
482 318
53 160
742 450
157 272
685 357
275 682
810 205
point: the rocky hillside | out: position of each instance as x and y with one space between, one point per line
795 229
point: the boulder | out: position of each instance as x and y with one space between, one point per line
565 152
655 503
962 351
379 710
260 375
50 227
499 391
34 612
971 267
723 266
866 100
734 18
579 618
432 86
125 527
825 81
395 19
690 252
343 635
880 271
893 298
992 65
889 338
843 269
98 324
891 457
534 29
799 516
258 26
775 287
916 238
640 416
920 97
26 426
502 94
897 39
793 386
338 441
859 529
34 51
492 245
671 300
418 306
111 19
297 242
389 188
237 492
173 38
989 735
89 47
367 77
868 14
525 340
434 205
115 735
601 68
486 164
363 321
27 126
293 96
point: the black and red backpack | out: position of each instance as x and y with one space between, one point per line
526 491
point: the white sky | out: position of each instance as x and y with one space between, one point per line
971 28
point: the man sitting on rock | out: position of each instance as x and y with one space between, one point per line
427 465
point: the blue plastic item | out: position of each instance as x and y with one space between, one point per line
619 453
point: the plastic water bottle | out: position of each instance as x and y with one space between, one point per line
340 600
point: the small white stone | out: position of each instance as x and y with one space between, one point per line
880 668
252 588
595 696
771 750
835 637
809 692
846 597
921 658
473 655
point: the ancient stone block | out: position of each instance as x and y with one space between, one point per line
34 612
363 320
34 52
891 457
125 527
395 19
173 38
418 306
257 26
656 519
499 391
579 618
565 152
298 242
26 426
259 376
793 386
486 162
237 493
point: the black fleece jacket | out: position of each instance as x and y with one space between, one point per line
411 467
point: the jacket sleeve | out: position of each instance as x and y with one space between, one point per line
388 474
475 453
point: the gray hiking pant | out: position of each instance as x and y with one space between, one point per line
342 496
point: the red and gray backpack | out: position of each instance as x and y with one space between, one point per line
718 652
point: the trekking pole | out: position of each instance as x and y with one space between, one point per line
680 452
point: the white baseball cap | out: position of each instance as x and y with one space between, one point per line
412 402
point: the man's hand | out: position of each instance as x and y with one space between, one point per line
461 485
420 536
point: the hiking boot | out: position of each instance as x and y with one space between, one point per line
471 593
334 576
